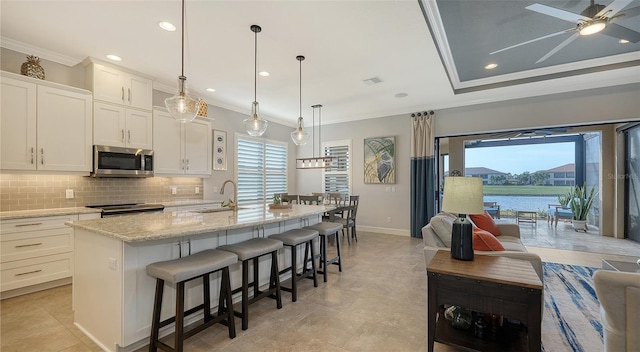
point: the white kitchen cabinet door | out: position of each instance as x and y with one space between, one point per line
109 124
181 148
167 141
64 128
112 85
108 84
18 132
117 126
139 92
197 152
139 129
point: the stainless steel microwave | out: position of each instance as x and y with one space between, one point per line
121 162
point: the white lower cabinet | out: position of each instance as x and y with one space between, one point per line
35 251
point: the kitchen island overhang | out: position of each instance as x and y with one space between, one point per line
113 295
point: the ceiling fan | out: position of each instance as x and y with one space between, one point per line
594 19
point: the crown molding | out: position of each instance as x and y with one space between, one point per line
39 52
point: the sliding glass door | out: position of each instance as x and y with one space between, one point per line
632 179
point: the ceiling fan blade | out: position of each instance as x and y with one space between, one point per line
533 40
560 46
558 13
634 11
613 8
620 32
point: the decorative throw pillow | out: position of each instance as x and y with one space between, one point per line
485 222
485 241
442 224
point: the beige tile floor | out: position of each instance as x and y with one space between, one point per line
376 304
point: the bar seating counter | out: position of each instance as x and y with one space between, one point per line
112 293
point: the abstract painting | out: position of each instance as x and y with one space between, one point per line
379 160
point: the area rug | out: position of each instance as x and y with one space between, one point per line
571 320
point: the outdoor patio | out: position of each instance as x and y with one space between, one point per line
543 234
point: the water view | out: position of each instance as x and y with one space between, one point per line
539 203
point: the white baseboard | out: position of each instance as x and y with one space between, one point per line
388 231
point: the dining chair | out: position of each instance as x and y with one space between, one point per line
309 199
348 219
293 199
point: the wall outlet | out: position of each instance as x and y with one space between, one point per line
388 219
113 263
197 190
174 190
215 189
69 194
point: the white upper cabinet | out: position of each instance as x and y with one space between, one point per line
181 148
45 126
115 86
115 125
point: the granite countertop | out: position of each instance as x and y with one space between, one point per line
25 214
148 227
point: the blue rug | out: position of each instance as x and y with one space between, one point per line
571 320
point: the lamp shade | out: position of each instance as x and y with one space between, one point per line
463 195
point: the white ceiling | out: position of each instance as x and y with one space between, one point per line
345 42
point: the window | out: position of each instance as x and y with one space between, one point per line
337 179
261 168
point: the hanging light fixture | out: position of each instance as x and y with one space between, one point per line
300 136
316 162
254 125
181 106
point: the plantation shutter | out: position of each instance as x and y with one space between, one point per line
262 170
337 178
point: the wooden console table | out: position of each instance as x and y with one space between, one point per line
489 284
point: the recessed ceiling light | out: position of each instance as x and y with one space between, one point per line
210 90
623 41
114 57
264 73
401 95
490 66
167 26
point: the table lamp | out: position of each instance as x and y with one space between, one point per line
462 195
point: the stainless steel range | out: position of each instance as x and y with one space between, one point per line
127 209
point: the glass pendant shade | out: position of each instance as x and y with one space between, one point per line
300 136
181 106
254 125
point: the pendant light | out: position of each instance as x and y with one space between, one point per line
181 106
300 136
254 125
316 162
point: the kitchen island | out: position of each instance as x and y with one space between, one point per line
112 293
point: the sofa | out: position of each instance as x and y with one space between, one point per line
436 235
619 296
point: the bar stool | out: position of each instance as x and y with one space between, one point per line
326 229
178 271
293 238
252 249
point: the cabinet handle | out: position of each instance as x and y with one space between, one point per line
122 133
187 164
29 272
42 156
189 242
182 164
129 135
129 92
122 93
28 245
32 155
31 224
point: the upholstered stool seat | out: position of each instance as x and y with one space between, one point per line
293 238
253 249
326 229
177 272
